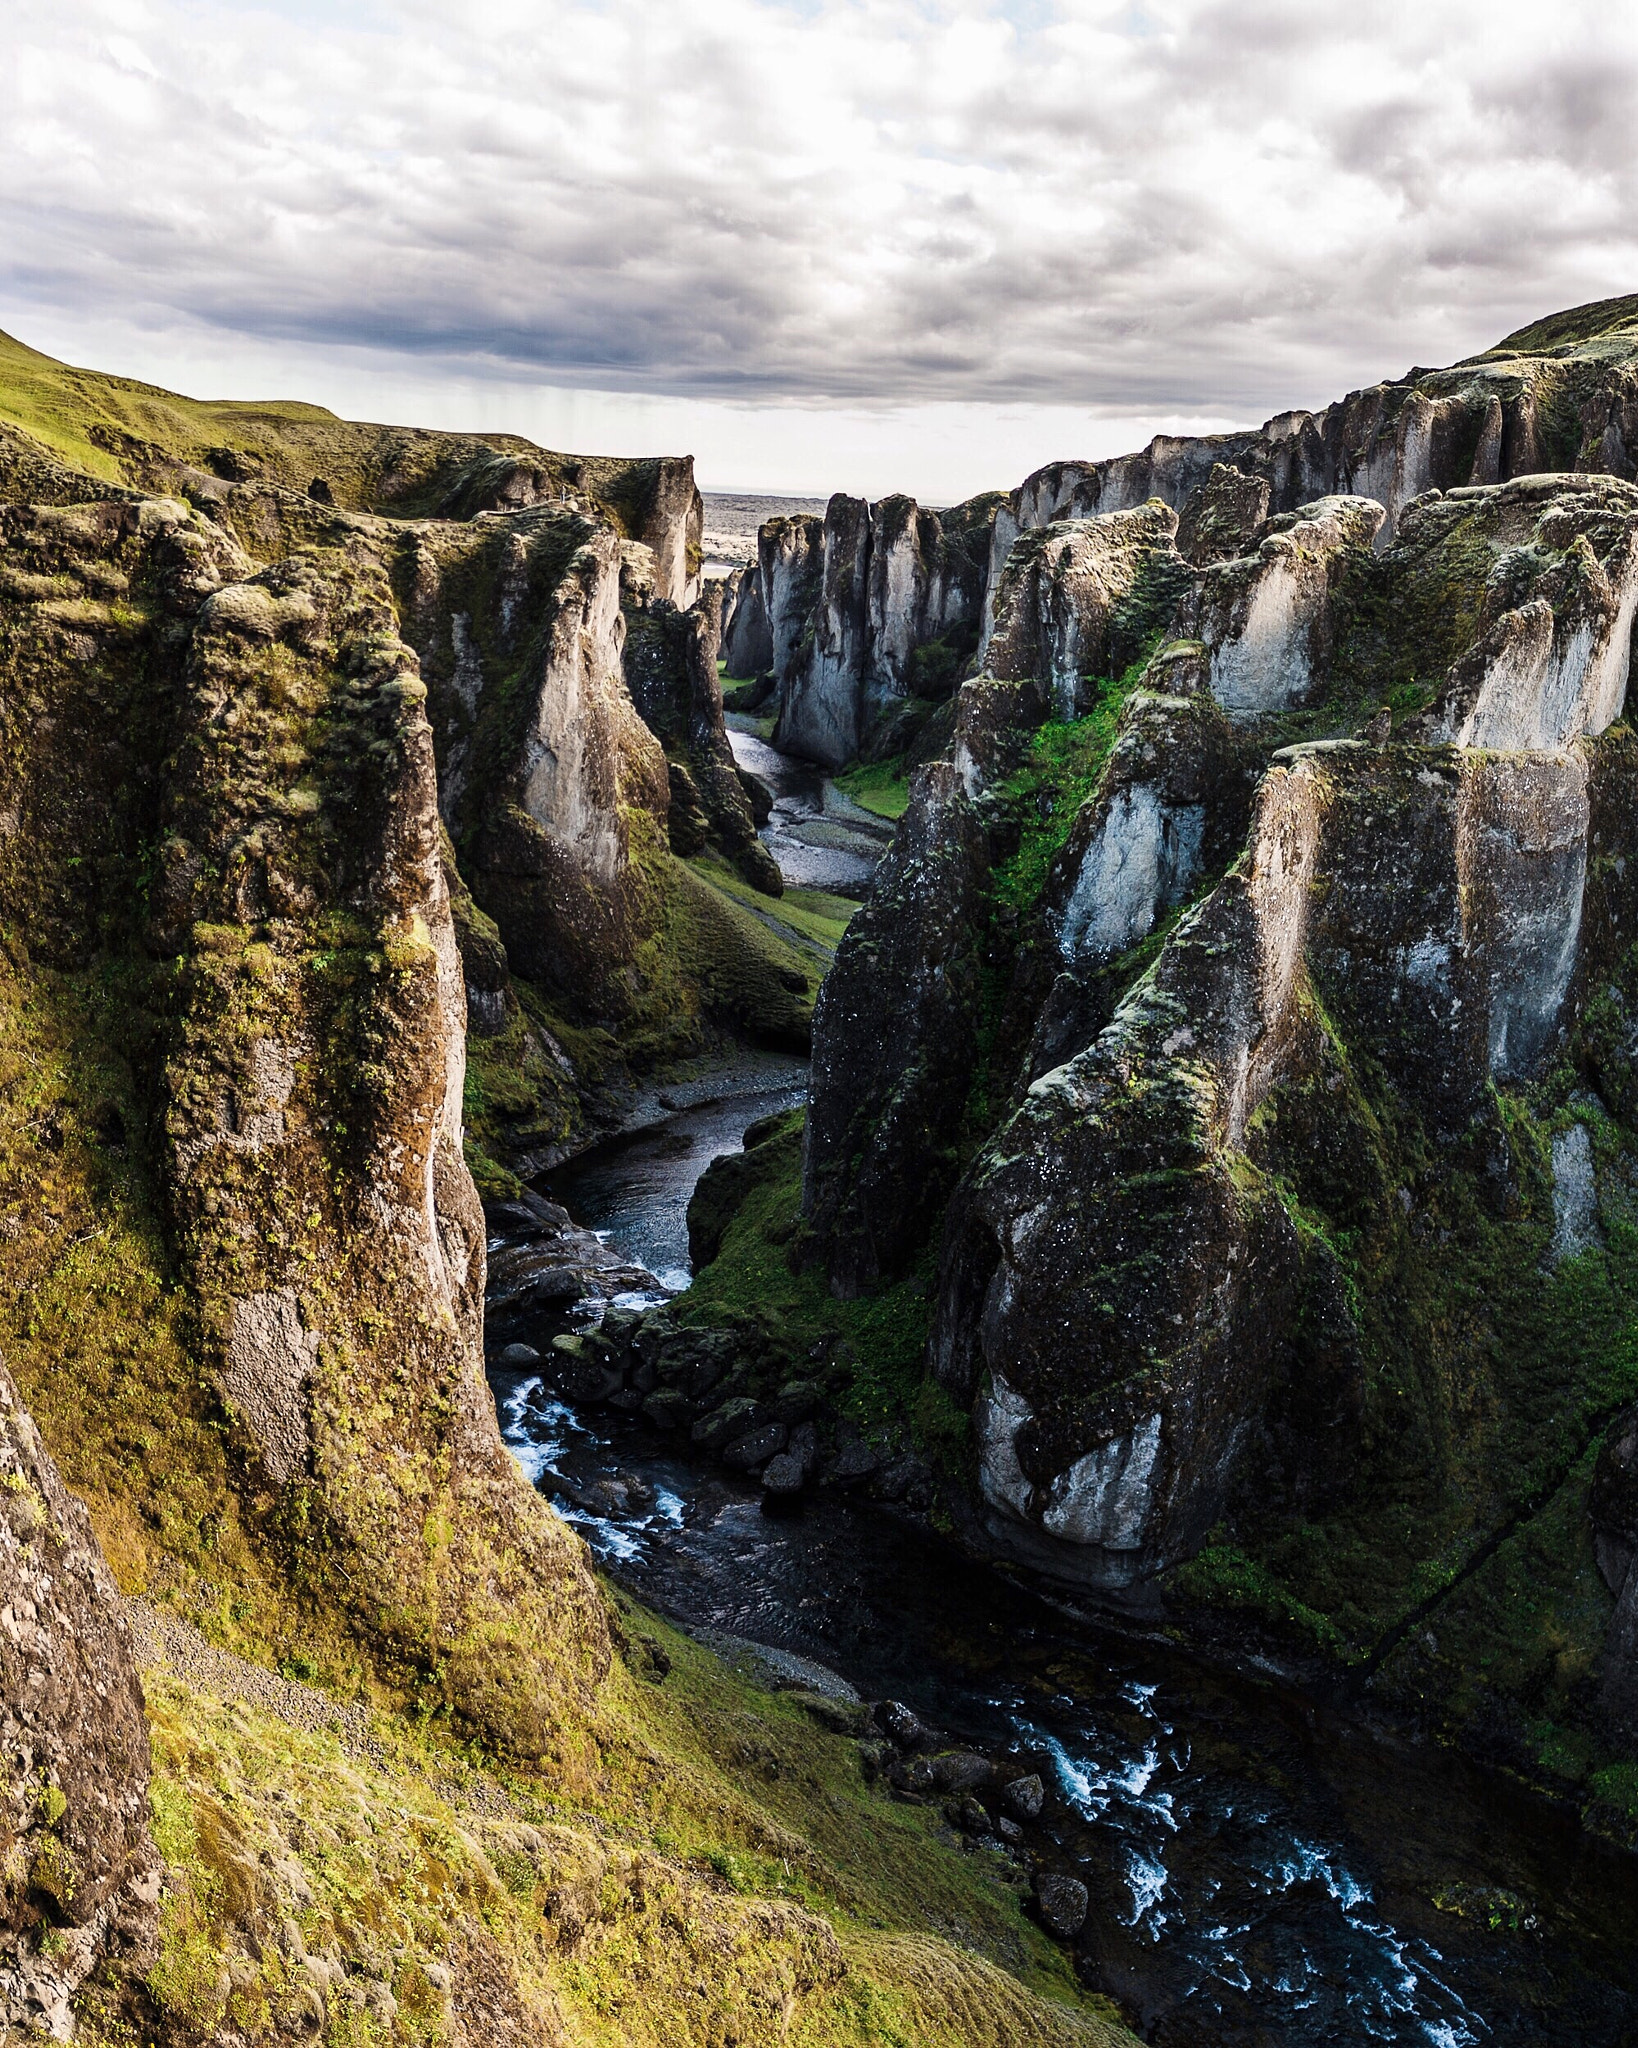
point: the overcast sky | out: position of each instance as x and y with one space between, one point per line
855 244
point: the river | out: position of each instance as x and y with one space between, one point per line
1263 1869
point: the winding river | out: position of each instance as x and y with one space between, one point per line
1262 1868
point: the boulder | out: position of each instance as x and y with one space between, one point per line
1024 1797
733 1419
900 1724
784 1476
1062 1903
752 1450
852 1463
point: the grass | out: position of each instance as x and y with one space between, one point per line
1065 761
812 919
882 1337
732 1875
882 787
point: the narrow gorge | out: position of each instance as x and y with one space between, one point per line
880 1293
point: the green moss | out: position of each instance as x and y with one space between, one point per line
882 787
758 1279
1062 769
1223 1575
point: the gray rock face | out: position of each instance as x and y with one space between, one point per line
1220 518
895 1039
1266 619
82 1876
790 568
670 670
1073 599
820 704
1551 643
546 761
1525 407
868 611
747 638
1121 1288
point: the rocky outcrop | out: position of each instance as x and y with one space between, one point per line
872 616
1137 1308
662 509
82 1876
1267 620
1267 1104
1221 517
264 734
670 666
820 692
1170 809
1076 599
1531 405
790 569
547 765
747 639
896 1041
1551 633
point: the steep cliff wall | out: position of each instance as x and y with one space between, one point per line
82 1876
871 615
1282 1131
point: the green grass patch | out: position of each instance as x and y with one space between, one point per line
754 1279
809 919
881 787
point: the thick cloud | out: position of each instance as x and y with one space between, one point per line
1173 206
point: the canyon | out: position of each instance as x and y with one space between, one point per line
1211 1199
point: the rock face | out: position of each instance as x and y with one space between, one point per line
1113 1205
1436 896
82 1876
1267 618
869 614
900 1023
884 1109
820 691
546 775
747 638
1244 1055
1074 598
670 668
276 756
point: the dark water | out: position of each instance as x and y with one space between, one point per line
1262 1870
634 1190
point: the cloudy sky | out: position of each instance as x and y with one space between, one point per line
860 244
